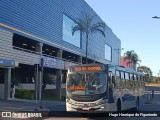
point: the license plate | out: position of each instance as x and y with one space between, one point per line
87 109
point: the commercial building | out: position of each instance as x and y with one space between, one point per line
126 62
35 29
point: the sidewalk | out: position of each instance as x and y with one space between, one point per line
22 105
34 101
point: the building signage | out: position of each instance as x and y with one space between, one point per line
4 62
53 63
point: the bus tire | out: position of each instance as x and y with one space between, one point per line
137 105
84 114
118 105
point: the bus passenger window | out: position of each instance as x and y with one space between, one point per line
139 80
122 78
132 82
127 79
135 81
117 78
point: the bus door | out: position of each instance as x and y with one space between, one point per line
111 85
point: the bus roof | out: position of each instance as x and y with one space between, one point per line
105 66
122 68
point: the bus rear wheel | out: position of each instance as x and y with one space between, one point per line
137 106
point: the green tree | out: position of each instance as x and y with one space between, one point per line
87 25
147 72
47 80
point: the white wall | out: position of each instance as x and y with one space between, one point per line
7 51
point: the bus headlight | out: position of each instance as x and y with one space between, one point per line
70 102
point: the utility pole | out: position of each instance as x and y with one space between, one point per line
118 50
42 66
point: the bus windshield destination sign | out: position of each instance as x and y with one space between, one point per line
77 87
87 68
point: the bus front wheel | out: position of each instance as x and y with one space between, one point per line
84 114
137 105
119 106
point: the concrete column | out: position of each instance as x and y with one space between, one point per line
40 85
94 62
59 53
80 60
7 82
39 48
36 66
59 77
58 84
38 73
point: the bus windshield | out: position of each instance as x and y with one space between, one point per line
86 83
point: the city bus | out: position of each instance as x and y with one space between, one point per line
103 88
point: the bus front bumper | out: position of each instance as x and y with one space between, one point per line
99 108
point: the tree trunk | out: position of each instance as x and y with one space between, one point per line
134 65
86 47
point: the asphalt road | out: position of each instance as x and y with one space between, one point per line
149 105
99 118
58 110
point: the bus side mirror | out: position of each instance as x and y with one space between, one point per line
113 79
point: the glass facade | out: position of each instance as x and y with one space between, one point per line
67 32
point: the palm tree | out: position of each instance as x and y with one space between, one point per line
135 59
129 57
87 26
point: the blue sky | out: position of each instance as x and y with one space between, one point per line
132 22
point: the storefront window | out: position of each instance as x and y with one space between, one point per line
1 76
108 52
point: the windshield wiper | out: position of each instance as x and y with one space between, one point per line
99 86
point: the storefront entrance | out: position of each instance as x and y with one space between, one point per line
5 77
2 70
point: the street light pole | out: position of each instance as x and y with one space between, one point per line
42 70
159 70
156 17
118 50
